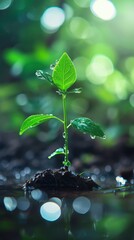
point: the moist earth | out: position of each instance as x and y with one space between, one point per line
60 179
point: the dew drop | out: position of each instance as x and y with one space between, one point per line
39 74
93 137
64 135
52 66
104 137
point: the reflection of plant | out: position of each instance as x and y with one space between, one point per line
63 77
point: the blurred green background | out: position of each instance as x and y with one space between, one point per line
99 37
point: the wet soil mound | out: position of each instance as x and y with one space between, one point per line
60 179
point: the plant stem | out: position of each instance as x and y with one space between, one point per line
66 162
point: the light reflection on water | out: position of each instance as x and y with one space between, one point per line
36 194
50 211
81 205
101 215
10 203
23 203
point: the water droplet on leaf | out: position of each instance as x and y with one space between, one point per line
64 135
52 66
104 137
93 137
39 73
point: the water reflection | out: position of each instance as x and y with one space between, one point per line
23 203
4 4
36 194
53 18
56 200
50 211
81 205
64 215
10 203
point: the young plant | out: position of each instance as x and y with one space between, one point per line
63 77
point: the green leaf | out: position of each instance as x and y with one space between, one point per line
44 75
34 121
86 125
64 73
57 152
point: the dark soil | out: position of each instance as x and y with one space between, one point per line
60 179
22 157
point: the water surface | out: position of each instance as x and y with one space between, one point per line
102 214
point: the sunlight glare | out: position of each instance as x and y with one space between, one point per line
103 9
52 18
81 205
36 194
50 211
4 4
99 69
10 203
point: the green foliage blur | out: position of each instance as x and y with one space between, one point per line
102 52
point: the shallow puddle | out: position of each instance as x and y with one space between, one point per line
103 214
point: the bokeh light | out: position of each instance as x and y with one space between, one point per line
68 11
81 64
4 4
36 194
50 211
81 205
117 84
56 200
21 99
52 18
131 100
100 67
10 203
82 3
80 28
103 9
23 204
16 69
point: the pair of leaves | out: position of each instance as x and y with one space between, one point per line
64 74
82 124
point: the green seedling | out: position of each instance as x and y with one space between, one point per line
63 77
